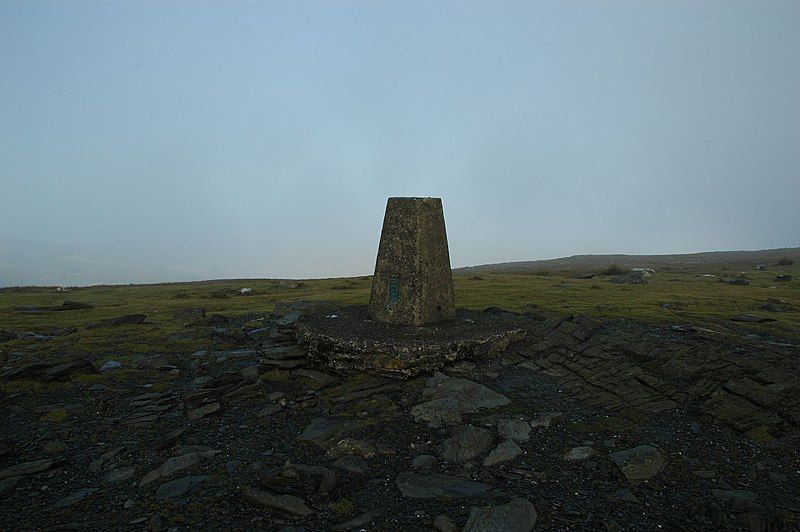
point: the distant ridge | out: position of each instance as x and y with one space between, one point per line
596 262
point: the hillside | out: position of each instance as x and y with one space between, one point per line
597 262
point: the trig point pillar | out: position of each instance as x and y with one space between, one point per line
413 284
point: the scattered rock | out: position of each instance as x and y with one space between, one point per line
179 486
639 463
544 419
518 515
361 520
783 278
202 411
352 464
515 429
326 431
580 453
285 503
777 305
119 475
31 468
505 451
350 446
445 411
424 461
751 318
442 523
54 447
433 485
110 364
465 443
175 464
73 498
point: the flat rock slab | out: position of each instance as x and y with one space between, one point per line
434 485
517 516
178 487
639 463
285 503
505 451
352 341
465 443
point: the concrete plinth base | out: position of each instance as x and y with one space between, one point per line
354 341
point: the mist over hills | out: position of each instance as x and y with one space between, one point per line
39 263
31 262
593 262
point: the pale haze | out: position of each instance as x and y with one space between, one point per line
157 141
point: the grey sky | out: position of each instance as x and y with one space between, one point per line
262 139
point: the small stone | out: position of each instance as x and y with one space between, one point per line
580 453
179 486
625 495
467 442
352 464
444 411
433 485
54 447
505 451
518 515
515 429
154 523
442 523
118 475
423 461
74 498
202 411
544 419
347 446
360 521
286 503
111 364
639 463
30 468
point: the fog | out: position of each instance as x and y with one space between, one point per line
184 140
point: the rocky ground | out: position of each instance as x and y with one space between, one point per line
582 426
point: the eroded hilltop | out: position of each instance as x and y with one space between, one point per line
584 425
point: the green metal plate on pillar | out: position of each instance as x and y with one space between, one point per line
394 291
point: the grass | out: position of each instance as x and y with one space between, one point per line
673 295
342 507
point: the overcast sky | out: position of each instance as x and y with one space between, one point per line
262 139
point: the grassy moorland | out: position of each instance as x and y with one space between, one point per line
673 295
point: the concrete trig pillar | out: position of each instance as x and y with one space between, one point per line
413 284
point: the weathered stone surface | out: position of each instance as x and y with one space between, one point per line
30 468
465 443
286 503
433 485
505 451
515 429
73 498
118 475
639 463
580 453
352 341
443 411
179 486
475 396
327 431
518 515
202 411
413 284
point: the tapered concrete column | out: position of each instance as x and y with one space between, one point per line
413 284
